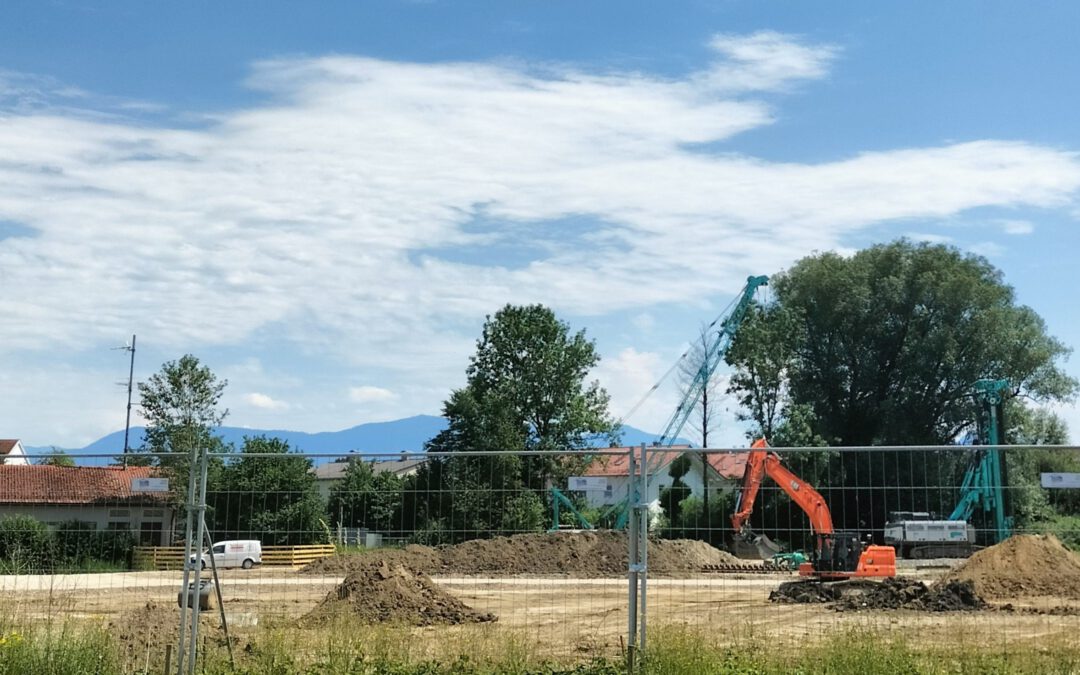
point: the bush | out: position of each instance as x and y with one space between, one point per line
79 543
26 546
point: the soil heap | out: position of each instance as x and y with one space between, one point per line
580 554
891 593
379 591
153 626
1022 566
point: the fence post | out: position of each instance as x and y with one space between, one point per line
201 528
643 547
631 572
192 476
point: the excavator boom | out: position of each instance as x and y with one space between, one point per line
836 555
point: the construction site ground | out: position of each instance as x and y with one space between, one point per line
559 614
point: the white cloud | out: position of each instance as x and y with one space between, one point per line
990 249
1017 226
370 394
265 402
328 214
767 60
930 238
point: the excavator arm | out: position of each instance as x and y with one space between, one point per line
761 463
836 555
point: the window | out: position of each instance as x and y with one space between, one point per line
153 513
118 525
220 548
150 533
119 513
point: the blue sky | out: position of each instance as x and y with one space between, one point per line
323 201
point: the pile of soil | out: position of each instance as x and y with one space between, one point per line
891 593
1022 566
153 626
379 591
581 554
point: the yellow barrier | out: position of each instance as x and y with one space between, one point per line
172 557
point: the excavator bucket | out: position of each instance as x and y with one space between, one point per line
755 547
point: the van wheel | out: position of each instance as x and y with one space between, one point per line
248 564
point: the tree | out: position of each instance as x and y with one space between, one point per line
180 405
275 499
882 348
57 457
885 345
367 499
672 496
695 368
525 391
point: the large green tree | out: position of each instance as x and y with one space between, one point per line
882 348
268 492
884 345
181 405
526 391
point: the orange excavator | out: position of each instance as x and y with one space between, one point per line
836 555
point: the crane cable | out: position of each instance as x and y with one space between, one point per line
685 354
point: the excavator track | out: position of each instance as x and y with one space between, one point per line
744 568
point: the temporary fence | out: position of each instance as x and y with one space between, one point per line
466 551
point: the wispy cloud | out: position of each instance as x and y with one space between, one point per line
1017 226
265 402
370 394
990 249
318 215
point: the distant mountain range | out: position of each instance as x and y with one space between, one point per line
404 435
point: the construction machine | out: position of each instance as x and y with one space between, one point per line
920 535
834 555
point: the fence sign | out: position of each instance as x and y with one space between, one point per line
1061 480
586 483
149 484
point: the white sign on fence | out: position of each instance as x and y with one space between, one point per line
1061 480
586 483
149 484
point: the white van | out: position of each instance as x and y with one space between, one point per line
244 553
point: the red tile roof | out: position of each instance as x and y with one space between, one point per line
7 445
728 465
44 484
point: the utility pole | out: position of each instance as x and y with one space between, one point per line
131 378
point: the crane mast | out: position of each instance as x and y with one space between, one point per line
725 334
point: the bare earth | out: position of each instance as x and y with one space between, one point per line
564 616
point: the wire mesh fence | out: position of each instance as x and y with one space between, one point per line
433 556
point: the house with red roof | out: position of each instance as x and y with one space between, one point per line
721 471
107 497
12 452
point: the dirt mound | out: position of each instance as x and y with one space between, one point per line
583 554
153 626
378 591
1022 566
892 593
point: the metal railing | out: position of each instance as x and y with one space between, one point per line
471 534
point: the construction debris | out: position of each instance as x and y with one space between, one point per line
1022 566
577 554
892 593
377 591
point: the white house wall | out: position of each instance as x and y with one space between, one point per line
100 516
692 479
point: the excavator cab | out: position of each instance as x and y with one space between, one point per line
841 555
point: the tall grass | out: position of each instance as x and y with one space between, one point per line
348 648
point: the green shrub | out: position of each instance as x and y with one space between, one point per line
80 545
26 546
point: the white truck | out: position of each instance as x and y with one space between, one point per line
920 535
244 553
